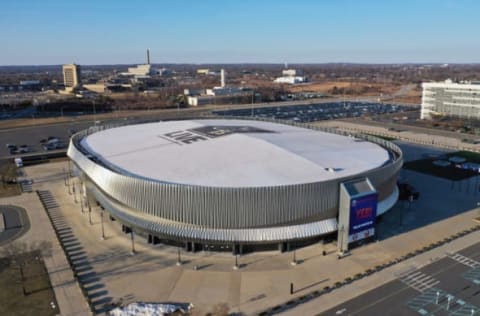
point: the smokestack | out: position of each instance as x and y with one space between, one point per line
222 77
148 56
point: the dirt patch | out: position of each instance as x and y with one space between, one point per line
8 179
26 289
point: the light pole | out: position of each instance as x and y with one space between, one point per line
179 260
74 194
253 91
294 260
90 215
101 221
133 243
438 295
94 114
235 267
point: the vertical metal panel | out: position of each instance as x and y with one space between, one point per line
216 207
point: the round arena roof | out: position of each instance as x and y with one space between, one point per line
232 153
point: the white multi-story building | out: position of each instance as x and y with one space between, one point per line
450 99
291 76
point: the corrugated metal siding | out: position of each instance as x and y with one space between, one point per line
225 208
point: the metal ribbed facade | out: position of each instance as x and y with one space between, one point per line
247 214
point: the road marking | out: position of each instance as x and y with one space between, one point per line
419 281
465 260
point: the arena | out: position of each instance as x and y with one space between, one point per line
229 184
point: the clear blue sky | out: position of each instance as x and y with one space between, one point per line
234 31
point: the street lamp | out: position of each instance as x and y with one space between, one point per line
101 220
294 260
133 242
90 215
236 266
73 189
94 114
253 91
179 260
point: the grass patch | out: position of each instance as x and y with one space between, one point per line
389 139
450 172
27 295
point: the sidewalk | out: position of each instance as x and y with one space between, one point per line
263 281
67 292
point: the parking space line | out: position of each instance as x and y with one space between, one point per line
465 260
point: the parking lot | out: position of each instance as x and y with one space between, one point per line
318 112
449 286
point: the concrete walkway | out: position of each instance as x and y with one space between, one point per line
264 278
67 292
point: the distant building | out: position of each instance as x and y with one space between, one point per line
71 77
291 76
292 72
450 99
289 80
203 71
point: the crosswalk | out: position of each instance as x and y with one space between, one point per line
465 260
419 281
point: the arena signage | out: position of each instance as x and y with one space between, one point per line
363 212
208 132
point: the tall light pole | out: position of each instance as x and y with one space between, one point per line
253 92
101 220
74 194
133 242
294 259
94 114
179 260
236 266
90 215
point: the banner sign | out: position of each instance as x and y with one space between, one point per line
363 213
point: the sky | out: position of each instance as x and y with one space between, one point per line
45 32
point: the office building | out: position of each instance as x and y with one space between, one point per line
447 98
71 77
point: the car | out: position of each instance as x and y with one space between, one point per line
11 146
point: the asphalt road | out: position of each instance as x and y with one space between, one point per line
415 292
31 135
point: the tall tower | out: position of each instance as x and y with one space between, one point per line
148 56
222 78
71 76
